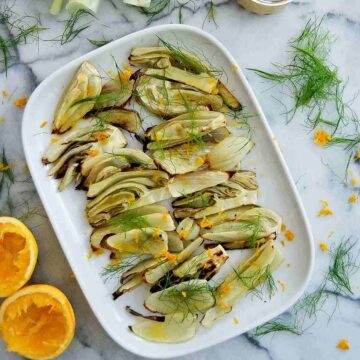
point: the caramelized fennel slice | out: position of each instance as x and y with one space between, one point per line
247 276
171 328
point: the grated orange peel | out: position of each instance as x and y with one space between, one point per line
37 322
18 255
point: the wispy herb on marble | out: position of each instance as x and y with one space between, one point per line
343 265
19 30
315 87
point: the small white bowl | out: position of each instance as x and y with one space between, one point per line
263 7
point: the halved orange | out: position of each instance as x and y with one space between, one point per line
37 322
18 255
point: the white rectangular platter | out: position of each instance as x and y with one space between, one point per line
66 209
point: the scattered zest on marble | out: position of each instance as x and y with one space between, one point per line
325 210
21 102
321 137
352 199
343 344
323 246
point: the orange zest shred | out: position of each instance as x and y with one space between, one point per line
222 305
183 294
21 102
325 210
282 285
54 140
5 93
167 255
125 75
183 234
165 216
90 91
343 344
101 136
225 288
6 167
323 246
352 199
282 243
357 155
199 161
93 152
354 181
290 236
283 227
209 254
234 67
205 223
236 320
156 233
321 137
43 124
2 119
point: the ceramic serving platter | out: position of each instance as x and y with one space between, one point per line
66 209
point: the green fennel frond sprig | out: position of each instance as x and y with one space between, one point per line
277 326
313 81
189 60
129 220
21 30
119 266
164 7
211 14
72 27
343 264
185 297
6 173
98 43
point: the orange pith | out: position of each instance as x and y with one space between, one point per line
18 255
37 322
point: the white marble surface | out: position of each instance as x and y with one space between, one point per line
255 42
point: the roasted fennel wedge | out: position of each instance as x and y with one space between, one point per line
184 129
250 225
203 82
245 277
202 266
190 296
171 328
86 82
167 98
137 241
155 216
152 276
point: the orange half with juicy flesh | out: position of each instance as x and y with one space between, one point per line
37 322
18 255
